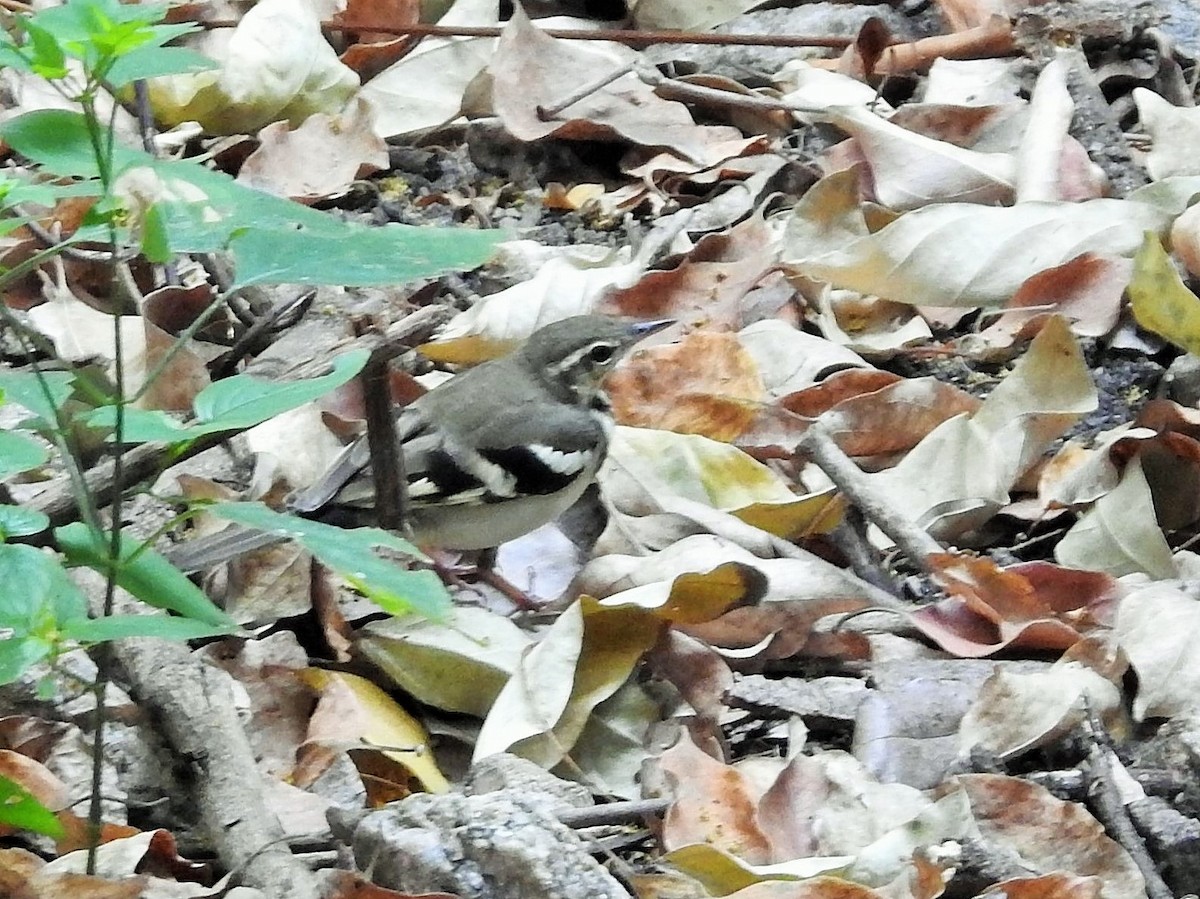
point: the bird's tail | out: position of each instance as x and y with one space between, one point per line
224 546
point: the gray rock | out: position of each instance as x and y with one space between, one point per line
505 844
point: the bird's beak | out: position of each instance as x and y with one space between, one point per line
644 329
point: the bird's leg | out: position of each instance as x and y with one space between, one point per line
482 570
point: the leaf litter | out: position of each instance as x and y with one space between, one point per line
929 270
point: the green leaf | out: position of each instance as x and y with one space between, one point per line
19 654
156 243
25 389
364 256
35 593
18 521
142 571
45 52
118 627
58 140
244 400
145 425
12 58
350 552
21 810
154 62
273 240
20 453
231 404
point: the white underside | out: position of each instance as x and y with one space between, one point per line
491 524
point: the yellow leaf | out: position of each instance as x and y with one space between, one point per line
383 723
1160 301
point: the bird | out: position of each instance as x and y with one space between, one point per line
489 455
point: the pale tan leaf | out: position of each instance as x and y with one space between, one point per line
1015 713
909 170
1175 133
345 143
1120 534
584 658
1158 628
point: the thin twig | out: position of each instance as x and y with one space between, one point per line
629 811
547 112
1111 810
245 344
618 35
850 479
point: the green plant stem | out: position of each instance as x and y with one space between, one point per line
61 432
103 150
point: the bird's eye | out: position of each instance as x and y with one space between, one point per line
601 352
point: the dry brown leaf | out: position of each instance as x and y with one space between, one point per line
704 384
1049 834
711 283
713 803
1035 605
345 144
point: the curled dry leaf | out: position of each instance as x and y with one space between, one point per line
789 359
1120 534
566 285
527 73
582 660
1015 713
345 143
1035 605
961 473
353 713
909 170
647 468
1174 132
711 283
460 666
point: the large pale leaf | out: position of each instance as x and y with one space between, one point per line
1174 132
961 472
1015 713
955 254
665 464
1158 628
910 170
587 654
